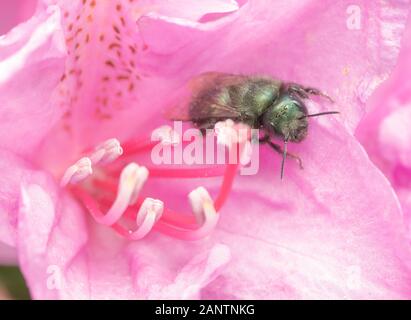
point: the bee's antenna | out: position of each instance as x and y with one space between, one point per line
319 114
284 157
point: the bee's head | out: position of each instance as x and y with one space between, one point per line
286 118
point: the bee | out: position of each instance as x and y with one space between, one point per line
275 107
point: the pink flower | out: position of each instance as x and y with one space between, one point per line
14 12
83 75
386 133
7 254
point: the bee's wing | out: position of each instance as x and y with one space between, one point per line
180 108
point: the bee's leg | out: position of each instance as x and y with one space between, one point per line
280 150
205 125
304 92
316 92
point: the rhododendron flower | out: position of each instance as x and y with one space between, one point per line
84 83
14 12
385 131
7 254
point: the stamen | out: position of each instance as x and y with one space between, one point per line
226 134
135 147
133 177
107 152
149 213
177 218
205 213
77 172
149 206
131 181
198 199
236 137
226 186
142 175
166 135
178 224
230 133
245 156
205 172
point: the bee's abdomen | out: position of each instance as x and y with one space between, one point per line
244 101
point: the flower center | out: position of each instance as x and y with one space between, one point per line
96 177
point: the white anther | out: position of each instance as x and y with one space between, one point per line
228 132
77 172
205 214
132 179
167 135
202 205
142 174
149 213
150 206
225 132
107 152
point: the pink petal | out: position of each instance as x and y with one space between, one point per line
120 77
385 132
177 277
101 85
31 63
333 230
199 272
13 170
8 255
395 136
189 10
14 12
311 42
49 242
64 257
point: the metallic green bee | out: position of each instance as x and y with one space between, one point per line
264 103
